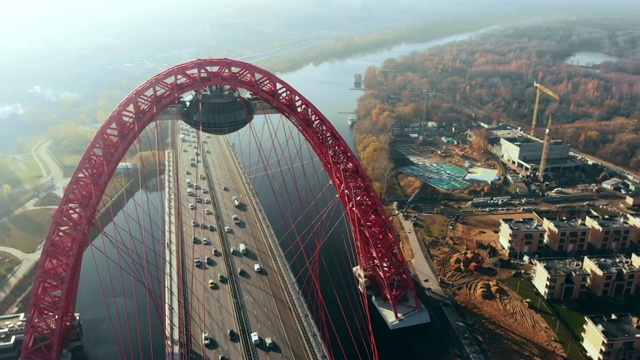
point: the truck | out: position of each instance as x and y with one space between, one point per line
243 249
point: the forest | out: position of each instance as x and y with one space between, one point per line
490 78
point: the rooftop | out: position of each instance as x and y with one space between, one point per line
563 266
11 329
618 326
569 223
525 224
611 221
613 264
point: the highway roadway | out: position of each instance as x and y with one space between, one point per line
245 301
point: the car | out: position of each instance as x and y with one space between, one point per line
190 185
192 158
197 186
208 211
197 262
236 202
221 278
236 219
231 334
214 252
194 223
202 177
212 228
196 240
255 338
233 250
212 284
225 188
240 271
199 200
193 164
207 201
257 268
187 172
269 342
205 191
204 226
206 338
206 241
192 206
227 229
184 150
209 260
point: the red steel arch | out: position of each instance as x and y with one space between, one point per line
55 289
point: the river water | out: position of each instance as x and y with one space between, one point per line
327 87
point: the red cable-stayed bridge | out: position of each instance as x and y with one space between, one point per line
306 213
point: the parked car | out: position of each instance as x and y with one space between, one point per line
206 338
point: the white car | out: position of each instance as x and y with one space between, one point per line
269 342
206 338
257 268
192 206
227 229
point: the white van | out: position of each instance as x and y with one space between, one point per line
255 338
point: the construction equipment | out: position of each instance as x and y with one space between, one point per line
535 106
545 151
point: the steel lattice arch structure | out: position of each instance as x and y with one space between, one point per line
55 289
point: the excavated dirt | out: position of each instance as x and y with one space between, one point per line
508 329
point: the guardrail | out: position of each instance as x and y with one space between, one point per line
306 324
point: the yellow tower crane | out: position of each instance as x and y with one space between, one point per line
535 106
545 151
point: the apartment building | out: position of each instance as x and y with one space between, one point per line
614 276
521 235
610 232
559 278
615 337
566 234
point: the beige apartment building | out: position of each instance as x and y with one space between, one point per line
616 337
522 235
610 232
559 278
615 276
567 234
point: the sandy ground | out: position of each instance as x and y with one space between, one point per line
508 329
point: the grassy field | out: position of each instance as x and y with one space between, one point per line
26 231
8 263
565 336
25 167
50 199
433 225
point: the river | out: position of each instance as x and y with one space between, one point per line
327 87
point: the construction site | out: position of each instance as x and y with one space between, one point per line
458 198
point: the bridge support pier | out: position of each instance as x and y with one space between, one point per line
408 313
